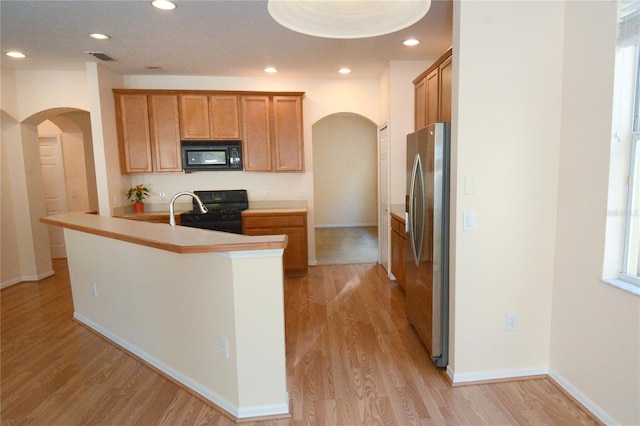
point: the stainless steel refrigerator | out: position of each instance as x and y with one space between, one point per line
427 250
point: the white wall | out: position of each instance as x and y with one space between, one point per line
401 122
111 184
534 167
595 339
180 311
508 65
345 171
30 96
10 267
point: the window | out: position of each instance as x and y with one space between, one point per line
631 260
622 250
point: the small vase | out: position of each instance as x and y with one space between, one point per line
139 207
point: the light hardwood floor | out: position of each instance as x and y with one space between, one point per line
351 359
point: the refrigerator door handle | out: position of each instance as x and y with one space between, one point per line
416 219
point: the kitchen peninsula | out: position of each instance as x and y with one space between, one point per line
205 308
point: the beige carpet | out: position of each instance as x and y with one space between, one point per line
338 246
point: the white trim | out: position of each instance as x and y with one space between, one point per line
345 225
27 278
588 404
251 254
239 413
515 374
622 285
11 282
480 376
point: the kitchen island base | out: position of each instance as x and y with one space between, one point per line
211 321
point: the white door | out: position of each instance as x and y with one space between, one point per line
55 193
383 198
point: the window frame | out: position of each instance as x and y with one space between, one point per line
631 213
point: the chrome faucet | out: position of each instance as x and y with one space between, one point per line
172 218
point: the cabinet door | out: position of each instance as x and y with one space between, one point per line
132 116
445 72
165 133
295 258
225 123
421 105
194 117
295 255
432 97
256 133
287 132
396 256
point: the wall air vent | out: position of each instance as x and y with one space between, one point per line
100 56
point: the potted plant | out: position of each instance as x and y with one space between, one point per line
137 194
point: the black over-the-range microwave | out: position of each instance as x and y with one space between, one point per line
199 155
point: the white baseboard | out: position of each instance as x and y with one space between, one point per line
239 413
483 376
29 278
345 225
588 404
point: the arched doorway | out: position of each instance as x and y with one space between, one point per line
66 160
345 189
67 171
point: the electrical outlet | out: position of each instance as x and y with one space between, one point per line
512 322
267 195
94 289
223 347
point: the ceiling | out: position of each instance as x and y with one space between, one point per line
205 37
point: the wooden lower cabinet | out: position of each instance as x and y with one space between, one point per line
293 224
397 250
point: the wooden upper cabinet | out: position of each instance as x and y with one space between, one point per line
152 123
272 133
194 117
287 133
420 104
165 133
432 97
256 133
433 93
445 71
134 140
224 117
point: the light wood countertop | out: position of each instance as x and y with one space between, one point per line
398 211
178 239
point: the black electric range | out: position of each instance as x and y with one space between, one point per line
225 211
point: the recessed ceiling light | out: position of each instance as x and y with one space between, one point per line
344 70
16 54
99 36
163 4
411 42
270 70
